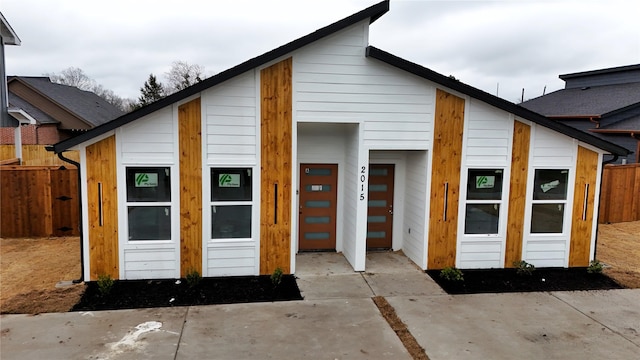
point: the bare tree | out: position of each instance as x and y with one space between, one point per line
76 77
182 75
73 76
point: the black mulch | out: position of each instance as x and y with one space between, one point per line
507 280
134 294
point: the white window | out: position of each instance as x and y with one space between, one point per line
484 199
231 203
549 200
149 203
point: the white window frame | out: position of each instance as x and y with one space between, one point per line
564 202
168 204
467 201
230 203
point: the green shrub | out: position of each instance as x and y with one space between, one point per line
193 278
276 277
595 267
524 268
105 284
451 274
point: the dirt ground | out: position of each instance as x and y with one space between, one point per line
619 249
31 268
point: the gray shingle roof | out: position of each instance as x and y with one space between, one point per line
591 101
87 105
631 123
16 102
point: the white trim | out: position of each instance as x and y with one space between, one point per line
362 205
257 176
85 212
22 116
596 207
429 175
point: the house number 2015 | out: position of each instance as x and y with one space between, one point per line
363 179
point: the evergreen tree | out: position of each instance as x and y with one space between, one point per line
151 91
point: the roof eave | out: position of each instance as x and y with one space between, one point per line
9 36
500 103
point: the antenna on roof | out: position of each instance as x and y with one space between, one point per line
522 97
544 90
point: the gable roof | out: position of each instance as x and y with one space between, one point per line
372 13
593 101
18 103
500 103
86 105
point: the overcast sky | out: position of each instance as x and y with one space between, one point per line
516 44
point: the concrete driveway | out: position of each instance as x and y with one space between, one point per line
338 320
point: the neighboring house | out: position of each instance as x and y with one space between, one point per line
605 102
7 37
51 112
327 143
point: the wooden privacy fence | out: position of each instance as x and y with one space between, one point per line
38 201
37 155
620 196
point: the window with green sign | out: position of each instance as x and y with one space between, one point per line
231 203
148 184
148 203
484 199
231 184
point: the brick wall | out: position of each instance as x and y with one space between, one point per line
32 135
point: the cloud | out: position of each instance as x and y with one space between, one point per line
518 44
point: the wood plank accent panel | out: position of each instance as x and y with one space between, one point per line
517 193
190 144
103 208
620 195
445 180
583 207
275 184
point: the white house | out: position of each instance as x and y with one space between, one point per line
327 143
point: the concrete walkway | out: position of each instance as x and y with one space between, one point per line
338 320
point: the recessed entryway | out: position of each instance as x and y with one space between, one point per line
380 207
317 207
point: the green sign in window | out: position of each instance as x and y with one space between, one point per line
146 179
229 180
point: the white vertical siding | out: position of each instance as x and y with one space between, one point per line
416 198
488 135
351 197
487 144
335 82
149 140
230 138
550 150
231 121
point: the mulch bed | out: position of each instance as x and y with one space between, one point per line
508 280
134 294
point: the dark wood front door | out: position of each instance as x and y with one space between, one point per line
380 208
318 196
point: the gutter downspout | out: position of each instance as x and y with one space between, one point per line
77 164
595 244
